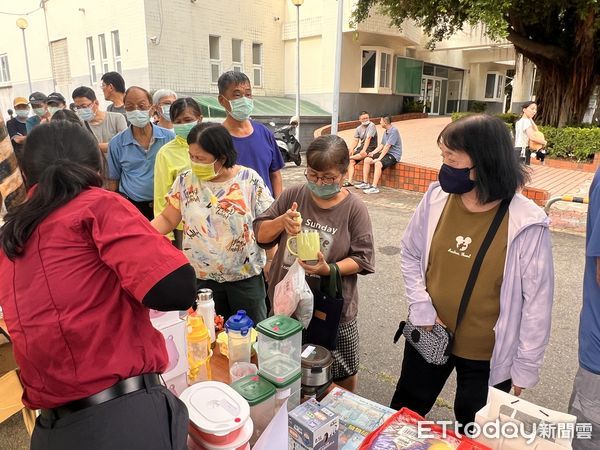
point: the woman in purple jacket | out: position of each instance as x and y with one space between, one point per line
503 334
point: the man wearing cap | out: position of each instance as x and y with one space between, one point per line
17 129
39 104
55 102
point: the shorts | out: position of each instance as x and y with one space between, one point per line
345 355
387 161
585 405
372 146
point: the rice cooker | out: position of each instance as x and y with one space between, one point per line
316 365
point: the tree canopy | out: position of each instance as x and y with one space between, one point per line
561 37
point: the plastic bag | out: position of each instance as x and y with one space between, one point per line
293 297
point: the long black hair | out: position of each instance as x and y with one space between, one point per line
60 159
488 143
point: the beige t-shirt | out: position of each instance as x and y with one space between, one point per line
345 231
456 241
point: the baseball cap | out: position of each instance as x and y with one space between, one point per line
55 97
37 97
20 101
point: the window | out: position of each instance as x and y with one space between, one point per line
257 64
376 70
91 60
214 49
494 85
116 47
236 54
4 70
384 70
410 52
103 53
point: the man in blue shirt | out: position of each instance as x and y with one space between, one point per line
385 155
39 104
585 400
132 152
255 144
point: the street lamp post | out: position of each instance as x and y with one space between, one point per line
298 4
22 24
335 113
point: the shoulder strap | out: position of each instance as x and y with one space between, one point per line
489 237
332 284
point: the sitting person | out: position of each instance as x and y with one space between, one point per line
365 140
385 155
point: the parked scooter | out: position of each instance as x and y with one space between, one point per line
286 141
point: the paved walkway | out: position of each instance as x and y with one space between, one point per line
419 138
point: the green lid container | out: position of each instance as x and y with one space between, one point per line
284 384
279 327
254 389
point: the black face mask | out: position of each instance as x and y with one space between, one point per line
455 181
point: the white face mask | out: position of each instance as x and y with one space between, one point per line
366 123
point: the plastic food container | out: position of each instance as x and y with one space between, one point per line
279 347
239 332
222 341
240 443
240 370
260 395
290 391
217 412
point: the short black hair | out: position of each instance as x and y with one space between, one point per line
387 119
231 77
133 88
214 139
362 113
84 91
179 106
328 152
115 79
487 141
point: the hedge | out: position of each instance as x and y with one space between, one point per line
570 142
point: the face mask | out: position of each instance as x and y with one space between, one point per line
204 172
325 191
86 114
53 109
22 113
183 129
455 181
138 118
366 123
39 111
241 108
165 112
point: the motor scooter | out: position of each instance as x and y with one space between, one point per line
286 141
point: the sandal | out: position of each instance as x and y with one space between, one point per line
347 184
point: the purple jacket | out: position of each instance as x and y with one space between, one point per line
526 294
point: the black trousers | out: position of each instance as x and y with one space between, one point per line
149 419
420 384
145 207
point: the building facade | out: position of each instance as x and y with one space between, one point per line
185 45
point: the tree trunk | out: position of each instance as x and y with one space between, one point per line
566 83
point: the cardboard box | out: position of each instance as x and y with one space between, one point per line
313 426
176 343
164 319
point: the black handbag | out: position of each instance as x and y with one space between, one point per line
324 326
435 346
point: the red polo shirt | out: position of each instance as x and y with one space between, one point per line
72 300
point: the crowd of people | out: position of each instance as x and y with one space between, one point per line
103 186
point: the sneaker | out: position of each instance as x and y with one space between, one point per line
371 190
362 185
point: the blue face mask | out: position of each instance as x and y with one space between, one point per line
325 191
86 114
183 129
22 113
138 118
455 181
165 112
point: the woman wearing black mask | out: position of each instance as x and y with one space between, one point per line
346 237
501 338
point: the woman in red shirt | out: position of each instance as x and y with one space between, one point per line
79 266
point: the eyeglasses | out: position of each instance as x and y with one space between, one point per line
77 108
315 179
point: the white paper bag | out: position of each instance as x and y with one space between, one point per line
505 416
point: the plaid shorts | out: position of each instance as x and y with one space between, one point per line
346 356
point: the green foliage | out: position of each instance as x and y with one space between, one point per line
412 105
510 118
571 142
459 115
477 106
